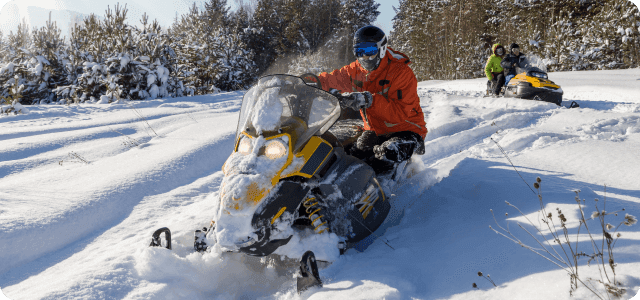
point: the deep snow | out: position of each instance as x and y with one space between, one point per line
71 229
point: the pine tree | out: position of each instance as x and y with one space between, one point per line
353 15
215 14
50 52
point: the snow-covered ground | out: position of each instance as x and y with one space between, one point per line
79 200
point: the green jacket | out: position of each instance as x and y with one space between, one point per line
493 64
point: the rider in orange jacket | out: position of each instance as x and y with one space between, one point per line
382 86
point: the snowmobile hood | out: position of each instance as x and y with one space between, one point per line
277 137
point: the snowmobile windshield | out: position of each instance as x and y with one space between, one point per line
278 100
532 71
532 66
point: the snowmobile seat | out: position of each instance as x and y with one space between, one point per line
347 131
332 139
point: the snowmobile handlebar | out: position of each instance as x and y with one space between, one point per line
312 80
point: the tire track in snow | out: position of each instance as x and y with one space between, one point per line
465 133
127 114
76 214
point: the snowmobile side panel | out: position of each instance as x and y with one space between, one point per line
527 91
265 245
321 153
315 153
287 195
363 206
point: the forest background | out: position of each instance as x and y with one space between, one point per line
211 49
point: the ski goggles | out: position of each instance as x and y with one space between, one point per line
365 49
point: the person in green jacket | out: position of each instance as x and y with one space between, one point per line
494 70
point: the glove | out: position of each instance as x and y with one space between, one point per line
367 140
334 92
399 148
357 100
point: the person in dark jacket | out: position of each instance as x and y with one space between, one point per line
511 61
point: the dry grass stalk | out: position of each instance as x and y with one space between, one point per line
566 257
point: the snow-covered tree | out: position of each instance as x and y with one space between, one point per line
451 39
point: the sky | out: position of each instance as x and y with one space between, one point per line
386 13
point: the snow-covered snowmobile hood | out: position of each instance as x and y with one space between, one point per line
276 138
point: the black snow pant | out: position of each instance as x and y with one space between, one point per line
383 152
496 84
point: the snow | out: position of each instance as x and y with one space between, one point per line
246 175
78 203
268 110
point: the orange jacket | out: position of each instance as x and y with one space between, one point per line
396 105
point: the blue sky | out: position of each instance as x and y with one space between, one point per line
386 13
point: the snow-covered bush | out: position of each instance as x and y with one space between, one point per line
238 68
209 57
35 63
11 103
113 60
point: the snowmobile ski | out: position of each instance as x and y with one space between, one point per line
310 276
155 238
200 236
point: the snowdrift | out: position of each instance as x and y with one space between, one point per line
83 187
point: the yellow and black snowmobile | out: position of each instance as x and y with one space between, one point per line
533 84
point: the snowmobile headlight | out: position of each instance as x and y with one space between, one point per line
275 149
245 146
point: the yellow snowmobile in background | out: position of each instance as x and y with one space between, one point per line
532 83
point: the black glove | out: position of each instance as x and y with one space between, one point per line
357 100
400 148
367 140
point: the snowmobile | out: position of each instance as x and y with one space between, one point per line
533 84
289 173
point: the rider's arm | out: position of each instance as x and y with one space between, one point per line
401 107
507 62
338 79
488 68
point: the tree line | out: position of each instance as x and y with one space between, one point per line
451 39
206 50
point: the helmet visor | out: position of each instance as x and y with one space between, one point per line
365 49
